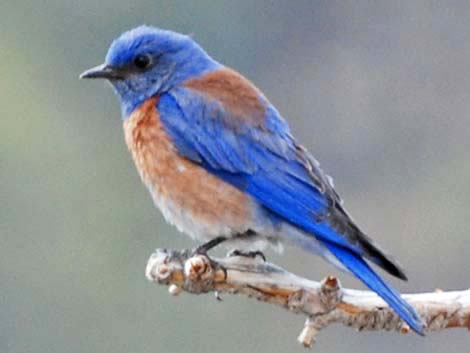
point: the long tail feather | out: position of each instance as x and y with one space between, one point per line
362 270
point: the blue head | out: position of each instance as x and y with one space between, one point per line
146 61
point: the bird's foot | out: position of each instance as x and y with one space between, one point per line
204 248
249 254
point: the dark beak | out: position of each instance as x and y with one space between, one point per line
102 71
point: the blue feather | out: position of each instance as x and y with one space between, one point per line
263 162
270 172
362 270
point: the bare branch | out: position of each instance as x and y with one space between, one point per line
323 303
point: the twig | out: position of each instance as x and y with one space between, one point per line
323 303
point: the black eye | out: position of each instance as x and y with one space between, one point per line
142 61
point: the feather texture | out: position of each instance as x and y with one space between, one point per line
261 158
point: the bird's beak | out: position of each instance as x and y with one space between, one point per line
102 71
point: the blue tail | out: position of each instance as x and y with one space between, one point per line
362 270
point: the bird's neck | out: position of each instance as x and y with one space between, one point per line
189 64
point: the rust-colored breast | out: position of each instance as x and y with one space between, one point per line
189 197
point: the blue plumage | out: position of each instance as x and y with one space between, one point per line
270 172
362 270
220 121
178 58
263 162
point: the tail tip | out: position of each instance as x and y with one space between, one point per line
415 325
419 329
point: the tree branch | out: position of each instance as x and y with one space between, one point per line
323 302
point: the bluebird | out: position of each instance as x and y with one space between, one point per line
222 165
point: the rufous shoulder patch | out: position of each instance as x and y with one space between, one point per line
235 92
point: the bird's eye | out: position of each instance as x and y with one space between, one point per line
142 61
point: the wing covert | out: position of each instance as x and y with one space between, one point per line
262 160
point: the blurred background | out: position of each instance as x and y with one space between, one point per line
378 91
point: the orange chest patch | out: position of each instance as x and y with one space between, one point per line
176 183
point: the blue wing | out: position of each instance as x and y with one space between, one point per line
266 162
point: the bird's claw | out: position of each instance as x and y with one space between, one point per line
204 248
250 254
217 296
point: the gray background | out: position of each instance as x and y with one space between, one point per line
378 91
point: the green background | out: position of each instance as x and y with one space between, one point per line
378 91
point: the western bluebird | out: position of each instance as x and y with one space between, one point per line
221 163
